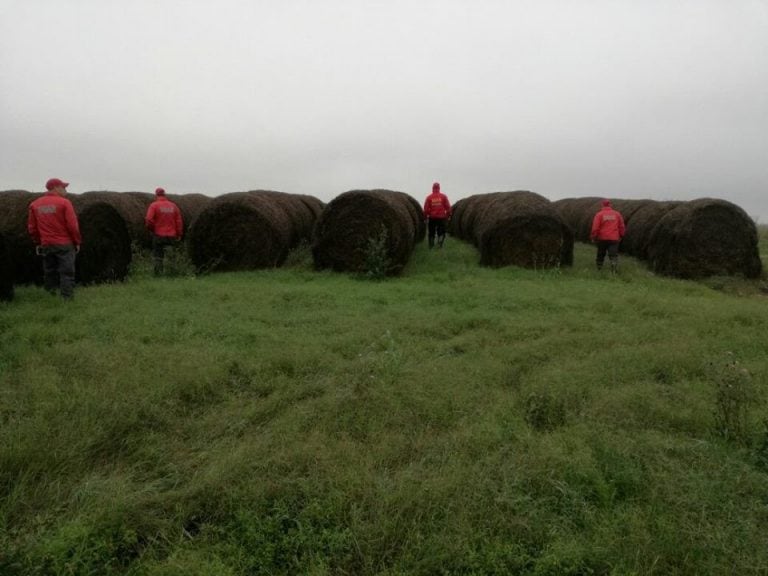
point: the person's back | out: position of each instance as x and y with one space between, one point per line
608 224
607 231
52 224
164 218
52 221
166 224
437 210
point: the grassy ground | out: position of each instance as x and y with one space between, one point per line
456 420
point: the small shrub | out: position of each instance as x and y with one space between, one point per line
735 394
377 261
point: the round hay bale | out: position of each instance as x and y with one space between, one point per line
521 228
105 255
638 232
14 209
353 219
243 231
191 205
132 206
578 213
705 237
470 210
457 210
417 214
627 208
6 272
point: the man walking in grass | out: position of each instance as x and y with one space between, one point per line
437 211
164 221
52 224
607 232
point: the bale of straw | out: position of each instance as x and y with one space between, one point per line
6 272
417 215
247 230
14 209
578 213
705 237
521 228
132 206
640 226
190 206
352 220
627 208
106 250
468 212
105 255
454 228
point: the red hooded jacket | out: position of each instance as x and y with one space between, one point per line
52 221
437 205
607 224
164 218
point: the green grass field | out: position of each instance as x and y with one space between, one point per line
455 420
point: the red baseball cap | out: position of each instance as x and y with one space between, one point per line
159 192
55 183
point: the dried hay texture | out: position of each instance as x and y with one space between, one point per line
454 228
105 255
249 230
574 211
14 209
190 205
417 214
132 206
6 272
705 237
464 217
520 228
353 219
640 226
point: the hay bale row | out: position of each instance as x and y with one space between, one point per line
132 206
705 237
105 254
640 226
250 230
351 221
27 267
6 272
518 228
695 239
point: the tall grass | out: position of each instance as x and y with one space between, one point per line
455 420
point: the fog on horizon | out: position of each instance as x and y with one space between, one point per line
664 100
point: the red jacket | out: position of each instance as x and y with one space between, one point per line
437 206
607 224
52 220
164 219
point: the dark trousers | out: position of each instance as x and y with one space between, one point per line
159 244
59 269
436 226
610 247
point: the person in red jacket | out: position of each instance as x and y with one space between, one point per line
164 221
437 211
52 224
607 231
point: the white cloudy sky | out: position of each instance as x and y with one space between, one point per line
625 98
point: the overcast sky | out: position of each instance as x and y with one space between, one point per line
626 98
